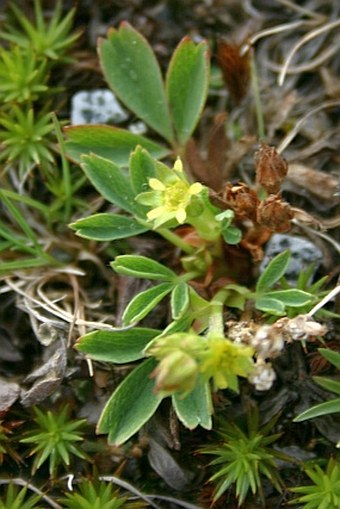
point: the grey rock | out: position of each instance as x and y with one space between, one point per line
96 107
304 253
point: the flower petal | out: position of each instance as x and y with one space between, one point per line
154 213
178 166
195 188
156 184
181 215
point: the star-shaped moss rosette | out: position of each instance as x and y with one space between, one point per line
170 196
185 357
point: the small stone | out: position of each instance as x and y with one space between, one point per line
96 107
303 254
138 128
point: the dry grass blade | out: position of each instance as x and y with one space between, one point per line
308 37
291 135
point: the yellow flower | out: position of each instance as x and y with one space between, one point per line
186 356
170 196
223 361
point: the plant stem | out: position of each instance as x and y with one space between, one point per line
176 240
256 92
216 323
67 183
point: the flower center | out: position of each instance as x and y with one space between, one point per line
176 196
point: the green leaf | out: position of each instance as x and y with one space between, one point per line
332 356
232 235
196 408
273 272
109 142
23 263
291 297
144 302
107 227
118 346
270 305
180 325
142 168
187 86
179 300
131 405
132 71
326 383
110 182
328 407
142 267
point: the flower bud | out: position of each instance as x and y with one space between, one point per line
177 372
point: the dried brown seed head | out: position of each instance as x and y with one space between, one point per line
271 169
275 214
242 200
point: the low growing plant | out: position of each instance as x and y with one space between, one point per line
17 498
48 39
194 355
54 439
333 405
98 495
34 49
324 492
244 458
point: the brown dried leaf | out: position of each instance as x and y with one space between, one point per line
319 183
235 68
196 164
217 151
9 393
